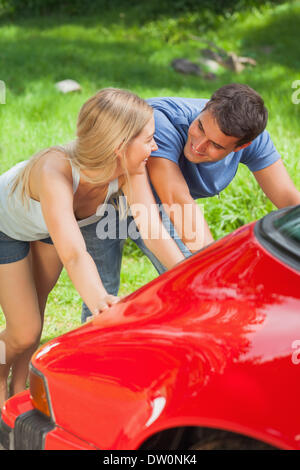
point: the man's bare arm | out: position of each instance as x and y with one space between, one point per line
179 205
277 185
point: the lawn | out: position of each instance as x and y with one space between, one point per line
118 49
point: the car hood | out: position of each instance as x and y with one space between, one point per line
226 291
232 304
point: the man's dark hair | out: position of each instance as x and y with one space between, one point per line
239 111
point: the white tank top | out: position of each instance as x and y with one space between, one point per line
26 222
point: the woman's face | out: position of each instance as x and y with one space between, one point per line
140 148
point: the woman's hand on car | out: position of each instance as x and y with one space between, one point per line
106 302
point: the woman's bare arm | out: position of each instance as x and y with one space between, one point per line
146 215
56 198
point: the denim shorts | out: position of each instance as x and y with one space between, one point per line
12 250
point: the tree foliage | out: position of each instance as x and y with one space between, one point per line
150 9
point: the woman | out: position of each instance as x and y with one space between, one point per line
57 192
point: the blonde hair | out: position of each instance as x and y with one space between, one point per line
109 120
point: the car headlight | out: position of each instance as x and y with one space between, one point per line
38 391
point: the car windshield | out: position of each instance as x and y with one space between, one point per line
279 233
289 225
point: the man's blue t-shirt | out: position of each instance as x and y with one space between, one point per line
173 117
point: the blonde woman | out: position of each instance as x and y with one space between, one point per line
57 192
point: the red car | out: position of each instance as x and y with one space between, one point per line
206 356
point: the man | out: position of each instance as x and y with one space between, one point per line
200 145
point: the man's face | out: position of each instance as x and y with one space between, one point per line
206 142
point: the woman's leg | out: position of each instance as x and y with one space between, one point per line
46 268
19 302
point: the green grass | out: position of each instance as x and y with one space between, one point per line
117 49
